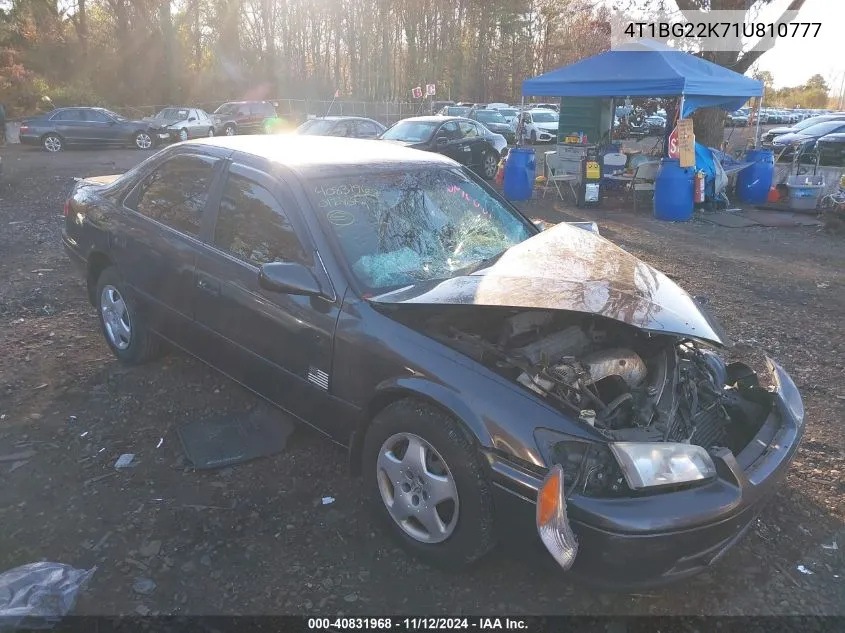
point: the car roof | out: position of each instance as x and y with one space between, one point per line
432 118
339 117
323 153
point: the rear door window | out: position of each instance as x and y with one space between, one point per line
252 225
468 129
367 129
176 193
96 116
68 115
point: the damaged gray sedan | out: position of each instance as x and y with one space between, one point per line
486 376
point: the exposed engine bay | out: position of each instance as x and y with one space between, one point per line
628 384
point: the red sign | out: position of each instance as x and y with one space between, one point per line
674 150
417 93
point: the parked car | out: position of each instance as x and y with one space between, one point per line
484 374
84 126
539 125
785 142
831 149
546 106
181 124
510 115
770 135
245 117
463 140
349 126
461 111
736 119
496 106
437 106
494 121
656 124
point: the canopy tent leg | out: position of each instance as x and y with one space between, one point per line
757 130
520 123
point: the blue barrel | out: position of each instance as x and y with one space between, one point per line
753 182
520 167
673 191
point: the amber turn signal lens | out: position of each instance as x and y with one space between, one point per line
548 498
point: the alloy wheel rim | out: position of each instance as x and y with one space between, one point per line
489 166
417 488
183 135
230 131
143 141
115 317
52 144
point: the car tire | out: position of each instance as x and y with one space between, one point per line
533 137
52 143
489 165
230 130
183 134
123 327
460 538
142 140
210 132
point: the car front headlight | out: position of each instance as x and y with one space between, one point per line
651 464
787 391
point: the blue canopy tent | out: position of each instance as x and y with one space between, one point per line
647 68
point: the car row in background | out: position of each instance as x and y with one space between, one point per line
806 140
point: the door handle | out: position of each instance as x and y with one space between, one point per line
211 287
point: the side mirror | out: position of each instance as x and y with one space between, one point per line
288 278
441 140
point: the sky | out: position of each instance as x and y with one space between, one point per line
794 60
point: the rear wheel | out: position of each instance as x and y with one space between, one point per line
52 143
489 165
122 325
142 140
427 484
210 132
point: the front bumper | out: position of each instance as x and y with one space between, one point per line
637 542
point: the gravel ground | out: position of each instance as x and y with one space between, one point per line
256 539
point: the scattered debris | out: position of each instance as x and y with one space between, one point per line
43 270
160 442
102 541
823 284
142 610
72 419
832 546
17 457
804 570
40 590
41 386
144 586
328 500
150 549
205 560
125 461
352 597
93 480
83 434
17 465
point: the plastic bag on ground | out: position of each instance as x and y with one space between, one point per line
39 594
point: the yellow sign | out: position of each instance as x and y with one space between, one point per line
686 143
593 170
571 139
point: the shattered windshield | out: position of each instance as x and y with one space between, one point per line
400 228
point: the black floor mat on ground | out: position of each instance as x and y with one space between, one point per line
226 440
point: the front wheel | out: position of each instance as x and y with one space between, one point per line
210 132
142 140
183 134
533 137
122 325
230 130
489 165
427 484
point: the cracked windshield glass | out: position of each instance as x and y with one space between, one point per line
397 229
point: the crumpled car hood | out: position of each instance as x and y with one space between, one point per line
567 268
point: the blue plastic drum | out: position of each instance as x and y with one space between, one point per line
753 182
673 191
520 168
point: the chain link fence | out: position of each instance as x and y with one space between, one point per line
385 112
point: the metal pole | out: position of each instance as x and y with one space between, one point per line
520 128
759 114
842 92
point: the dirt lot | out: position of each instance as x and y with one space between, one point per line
255 539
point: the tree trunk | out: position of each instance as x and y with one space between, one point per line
709 126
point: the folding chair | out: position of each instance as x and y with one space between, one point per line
645 175
612 163
554 175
